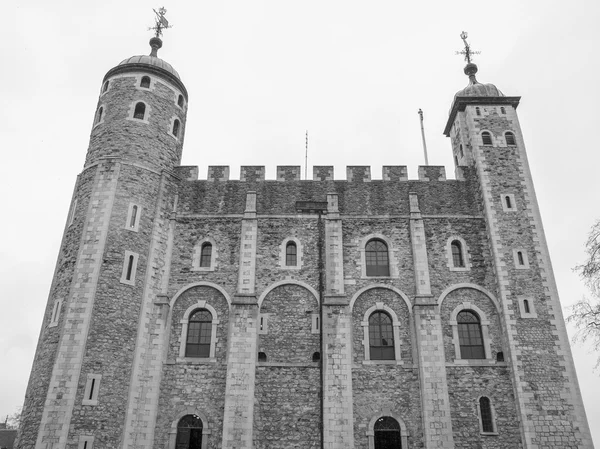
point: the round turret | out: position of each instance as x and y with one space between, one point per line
141 113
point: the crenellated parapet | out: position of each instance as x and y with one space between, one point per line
290 173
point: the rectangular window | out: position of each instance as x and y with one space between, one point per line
129 268
55 313
316 323
92 386
263 323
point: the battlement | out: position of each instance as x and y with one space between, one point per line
354 173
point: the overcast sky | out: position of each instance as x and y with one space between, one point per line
260 73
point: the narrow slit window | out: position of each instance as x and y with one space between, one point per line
457 254
520 258
486 137
455 160
72 213
134 212
262 323
291 254
487 420
129 268
105 87
176 128
180 101
460 151
206 255
55 313
145 83
92 388
508 202
99 115
510 139
91 394
140 111
477 111
502 110
526 306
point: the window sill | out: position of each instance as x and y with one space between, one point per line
459 268
489 434
291 364
364 276
290 267
193 361
89 402
382 362
201 269
476 362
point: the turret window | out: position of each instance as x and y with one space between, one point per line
99 115
105 86
502 110
180 101
140 111
478 111
175 130
486 137
460 151
510 139
133 217
145 83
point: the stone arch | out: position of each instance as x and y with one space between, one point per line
200 284
387 412
273 286
388 287
206 428
454 287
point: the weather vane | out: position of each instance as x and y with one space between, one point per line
467 51
160 22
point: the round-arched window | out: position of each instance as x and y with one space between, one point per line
469 335
376 258
387 433
189 433
381 336
199 334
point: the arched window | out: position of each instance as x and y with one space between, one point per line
387 433
129 268
457 254
189 433
520 258
197 343
510 138
486 137
381 336
175 130
145 82
508 202
291 254
460 151
376 258
477 111
469 336
526 306
105 86
316 356
180 101
262 357
140 111
485 412
206 255
99 115
502 110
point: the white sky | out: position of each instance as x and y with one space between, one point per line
259 73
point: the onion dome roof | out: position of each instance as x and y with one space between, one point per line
475 88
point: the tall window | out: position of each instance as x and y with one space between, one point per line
477 111
197 343
520 258
140 111
189 433
180 101
486 137
376 258
469 336
457 254
130 261
134 212
145 82
508 202
291 254
99 115
381 336
105 86
387 433
485 410
502 110
176 128
510 138
206 255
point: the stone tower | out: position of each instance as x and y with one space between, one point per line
398 313
110 267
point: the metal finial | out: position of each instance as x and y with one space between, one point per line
467 51
160 22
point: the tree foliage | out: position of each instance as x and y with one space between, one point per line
585 314
13 421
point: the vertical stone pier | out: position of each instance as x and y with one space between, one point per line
435 401
338 432
241 360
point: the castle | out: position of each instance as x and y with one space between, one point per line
289 313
